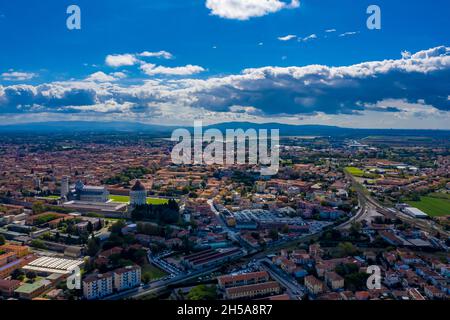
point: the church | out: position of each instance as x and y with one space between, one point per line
82 192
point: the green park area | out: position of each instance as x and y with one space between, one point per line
435 205
52 197
354 171
150 272
126 199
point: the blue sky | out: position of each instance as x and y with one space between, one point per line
198 51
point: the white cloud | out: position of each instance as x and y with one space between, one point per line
119 75
246 9
160 54
400 92
17 76
310 37
109 106
152 69
100 77
121 60
433 52
406 54
350 33
287 38
330 30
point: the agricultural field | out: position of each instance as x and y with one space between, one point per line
433 206
126 199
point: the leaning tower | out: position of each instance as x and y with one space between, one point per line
64 186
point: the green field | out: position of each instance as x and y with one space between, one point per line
52 197
440 195
434 207
154 272
355 171
126 199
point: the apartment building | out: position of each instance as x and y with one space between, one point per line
8 268
20 251
127 277
334 281
314 285
7 287
6 257
98 285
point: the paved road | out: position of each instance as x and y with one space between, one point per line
293 289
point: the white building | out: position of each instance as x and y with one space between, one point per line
98 285
127 277
415 213
53 265
138 194
90 193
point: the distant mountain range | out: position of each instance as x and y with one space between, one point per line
160 130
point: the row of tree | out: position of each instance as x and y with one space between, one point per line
168 213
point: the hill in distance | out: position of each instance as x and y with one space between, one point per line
161 130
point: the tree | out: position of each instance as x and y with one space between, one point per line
203 292
355 229
31 275
146 277
38 207
17 274
116 228
2 240
347 249
92 247
273 234
39 244
90 227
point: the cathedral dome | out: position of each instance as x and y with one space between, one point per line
138 186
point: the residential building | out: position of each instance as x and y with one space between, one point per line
127 277
97 286
7 287
334 281
20 251
313 285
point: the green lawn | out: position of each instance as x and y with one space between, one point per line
440 195
355 171
123 199
434 207
52 197
126 199
154 272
